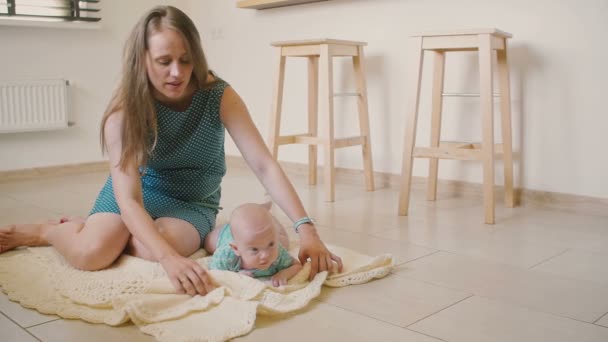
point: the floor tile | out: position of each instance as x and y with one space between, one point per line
478 319
7 202
562 218
323 322
394 299
75 331
50 184
591 234
578 264
577 299
26 214
364 214
59 201
22 316
372 246
10 331
458 209
479 240
537 274
87 183
238 190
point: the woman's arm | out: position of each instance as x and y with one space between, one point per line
185 274
236 119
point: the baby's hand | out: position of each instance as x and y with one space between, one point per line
279 279
246 273
283 276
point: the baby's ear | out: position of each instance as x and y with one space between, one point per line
235 249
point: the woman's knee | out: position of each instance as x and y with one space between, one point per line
101 241
210 242
180 234
92 257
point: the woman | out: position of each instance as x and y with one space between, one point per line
164 133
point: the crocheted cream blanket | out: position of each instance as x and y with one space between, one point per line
138 291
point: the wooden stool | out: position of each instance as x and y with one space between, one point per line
484 41
320 99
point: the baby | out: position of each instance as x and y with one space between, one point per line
254 243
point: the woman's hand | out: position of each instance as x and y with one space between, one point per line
312 247
187 276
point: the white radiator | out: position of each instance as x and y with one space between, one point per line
33 105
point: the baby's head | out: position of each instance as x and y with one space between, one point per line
255 237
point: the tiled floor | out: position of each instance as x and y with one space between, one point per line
537 275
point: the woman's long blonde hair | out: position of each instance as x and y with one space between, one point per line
134 93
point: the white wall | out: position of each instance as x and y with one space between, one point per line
558 74
90 60
558 59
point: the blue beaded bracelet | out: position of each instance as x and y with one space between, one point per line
301 221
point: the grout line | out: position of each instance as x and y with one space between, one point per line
597 320
549 258
52 320
425 334
22 328
523 306
365 234
434 313
10 319
375 319
501 299
490 260
420 257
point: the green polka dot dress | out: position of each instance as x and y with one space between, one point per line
184 172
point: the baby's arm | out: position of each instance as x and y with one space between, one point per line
281 277
248 273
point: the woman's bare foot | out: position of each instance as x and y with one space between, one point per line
17 235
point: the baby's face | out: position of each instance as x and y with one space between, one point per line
258 250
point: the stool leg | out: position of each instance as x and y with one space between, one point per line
437 95
313 108
487 118
505 109
326 109
362 105
277 102
410 128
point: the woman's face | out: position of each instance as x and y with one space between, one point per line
169 66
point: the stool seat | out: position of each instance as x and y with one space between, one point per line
485 41
319 53
312 47
317 42
463 32
461 40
